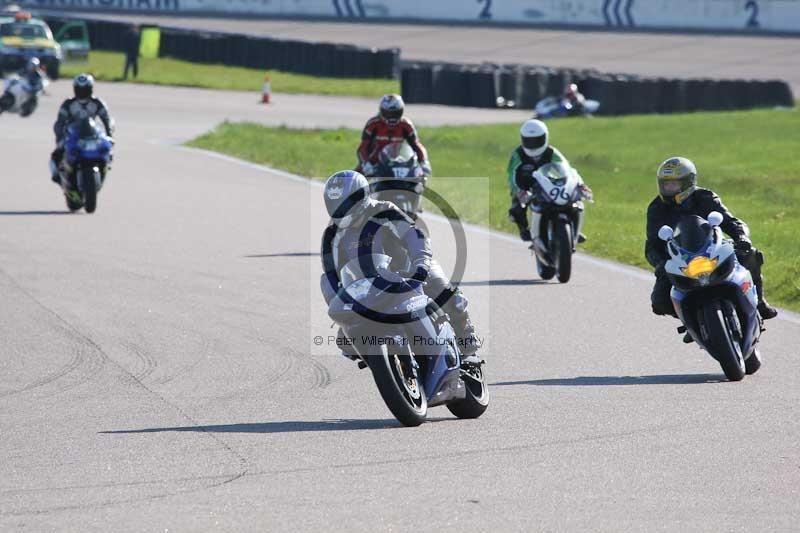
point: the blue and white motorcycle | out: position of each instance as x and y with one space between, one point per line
87 159
713 295
406 341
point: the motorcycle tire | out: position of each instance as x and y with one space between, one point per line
563 242
752 363
545 272
721 341
405 398
89 189
72 205
477 399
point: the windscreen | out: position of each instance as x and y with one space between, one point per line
24 30
397 153
693 234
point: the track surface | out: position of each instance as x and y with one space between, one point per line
651 54
155 370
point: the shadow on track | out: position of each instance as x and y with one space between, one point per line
287 254
32 213
281 427
601 381
505 282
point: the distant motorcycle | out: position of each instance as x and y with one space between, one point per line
713 295
87 158
557 198
20 96
554 107
407 342
399 178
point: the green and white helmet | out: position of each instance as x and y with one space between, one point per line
677 179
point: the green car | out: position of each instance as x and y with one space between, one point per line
74 40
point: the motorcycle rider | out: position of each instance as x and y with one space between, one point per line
388 126
678 195
533 152
350 206
32 73
574 97
83 105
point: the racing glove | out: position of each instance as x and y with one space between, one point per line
743 244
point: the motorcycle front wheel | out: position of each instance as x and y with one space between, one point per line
563 242
721 341
400 389
89 189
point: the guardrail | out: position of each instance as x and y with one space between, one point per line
751 16
482 86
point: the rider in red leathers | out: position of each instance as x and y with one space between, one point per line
388 126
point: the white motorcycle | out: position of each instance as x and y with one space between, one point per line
555 199
19 96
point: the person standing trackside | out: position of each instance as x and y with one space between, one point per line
133 41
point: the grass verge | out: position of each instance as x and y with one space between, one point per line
107 66
747 157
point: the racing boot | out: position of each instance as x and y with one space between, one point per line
525 235
766 310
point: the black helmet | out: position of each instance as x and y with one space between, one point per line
391 108
83 84
346 195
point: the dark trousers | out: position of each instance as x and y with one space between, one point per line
518 214
131 62
662 303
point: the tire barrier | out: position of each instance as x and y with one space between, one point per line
485 85
489 85
302 57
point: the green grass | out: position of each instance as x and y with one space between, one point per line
749 158
107 66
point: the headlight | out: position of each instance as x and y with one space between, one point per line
359 289
699 266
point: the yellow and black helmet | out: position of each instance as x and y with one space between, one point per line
677 179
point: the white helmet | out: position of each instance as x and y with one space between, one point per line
534 137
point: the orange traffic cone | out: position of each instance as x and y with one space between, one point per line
266 90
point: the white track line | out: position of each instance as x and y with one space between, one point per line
638 273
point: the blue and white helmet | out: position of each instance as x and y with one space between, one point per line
346 196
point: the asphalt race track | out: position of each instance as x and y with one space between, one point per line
650 54
157 369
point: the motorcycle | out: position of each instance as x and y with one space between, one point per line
20 96
554 107
714 296
407 342
399 178
87 159
558 207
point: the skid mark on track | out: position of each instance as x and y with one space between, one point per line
85 362
146 362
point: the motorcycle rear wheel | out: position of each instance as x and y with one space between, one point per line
403 395
721 341
477 400
752 363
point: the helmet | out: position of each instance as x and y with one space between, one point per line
572 91
677 179
83 84
534 137
32 65
391 108
346 196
